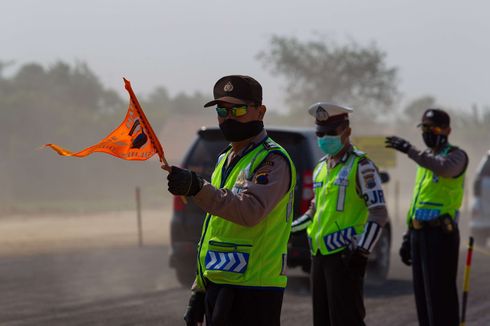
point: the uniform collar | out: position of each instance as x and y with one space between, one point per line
333 163
253 142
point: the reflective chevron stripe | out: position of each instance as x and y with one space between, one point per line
235 262
337 240
372 232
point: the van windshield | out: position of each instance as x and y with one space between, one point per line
203 156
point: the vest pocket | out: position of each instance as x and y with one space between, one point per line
229 259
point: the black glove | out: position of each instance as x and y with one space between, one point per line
195 309
182 182
397 143
356 260
405 249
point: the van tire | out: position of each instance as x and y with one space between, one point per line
377 270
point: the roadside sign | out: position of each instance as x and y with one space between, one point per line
374 147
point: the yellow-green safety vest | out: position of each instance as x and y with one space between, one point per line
340 212
229 253
434 195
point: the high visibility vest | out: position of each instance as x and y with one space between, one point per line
255 256
434 195
340 212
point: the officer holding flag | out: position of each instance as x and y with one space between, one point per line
249 199
344 221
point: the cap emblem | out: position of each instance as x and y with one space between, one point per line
228 87
321 114
429 114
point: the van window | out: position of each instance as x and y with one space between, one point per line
203 156
482 171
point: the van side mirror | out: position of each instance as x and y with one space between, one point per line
385 177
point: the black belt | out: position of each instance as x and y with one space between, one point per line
444 222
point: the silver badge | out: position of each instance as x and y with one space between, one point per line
321 114
228 87
429 114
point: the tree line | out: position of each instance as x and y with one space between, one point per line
67 104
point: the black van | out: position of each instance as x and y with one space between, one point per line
300 143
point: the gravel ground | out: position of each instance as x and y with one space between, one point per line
134 286
92 283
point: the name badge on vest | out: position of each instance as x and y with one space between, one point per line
239 183
343 178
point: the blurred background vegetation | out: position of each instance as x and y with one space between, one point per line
66 104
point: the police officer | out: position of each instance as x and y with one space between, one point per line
344 221
242 250
431 243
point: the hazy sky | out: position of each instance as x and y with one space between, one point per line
441 47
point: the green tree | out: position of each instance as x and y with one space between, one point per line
351 74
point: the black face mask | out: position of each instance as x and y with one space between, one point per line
433 140
237 131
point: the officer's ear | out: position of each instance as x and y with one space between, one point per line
262 109
347 132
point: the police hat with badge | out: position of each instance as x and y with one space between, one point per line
329 116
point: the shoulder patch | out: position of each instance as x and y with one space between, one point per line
262 178
369 180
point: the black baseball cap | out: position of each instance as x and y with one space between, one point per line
236 89
437 117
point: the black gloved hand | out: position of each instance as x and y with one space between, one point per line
397 143
356 260
182 182
405 249
194 313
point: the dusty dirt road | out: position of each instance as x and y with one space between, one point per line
88 270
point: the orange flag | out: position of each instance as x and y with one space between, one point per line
133 140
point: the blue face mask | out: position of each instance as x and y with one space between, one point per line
330 145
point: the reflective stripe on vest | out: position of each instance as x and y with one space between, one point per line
235 262
339 239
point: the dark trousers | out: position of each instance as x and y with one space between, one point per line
236 306
337 292
434 266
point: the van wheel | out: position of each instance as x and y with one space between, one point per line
377 270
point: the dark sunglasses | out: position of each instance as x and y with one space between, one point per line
430 128
236 111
